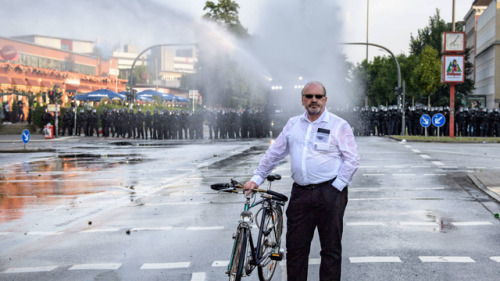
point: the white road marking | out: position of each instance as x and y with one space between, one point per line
420 166
417 223
425 156
404 175
93 230
4 233
429 188
434 174
220 263
368 175
437 163
408 146
373 259
30 269
43 233
446 259
314 261
471 223
165 265
151 228
198 276
96 266
367 223
416 150
497 259
205 228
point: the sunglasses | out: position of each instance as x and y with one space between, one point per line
309 96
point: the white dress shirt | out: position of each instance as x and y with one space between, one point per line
319 151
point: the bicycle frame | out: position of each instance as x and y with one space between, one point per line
245 222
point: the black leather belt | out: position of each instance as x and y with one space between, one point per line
314 185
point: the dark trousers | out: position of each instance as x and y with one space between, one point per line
322 207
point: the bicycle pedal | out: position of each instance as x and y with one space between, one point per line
276 257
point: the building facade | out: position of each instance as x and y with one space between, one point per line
482 37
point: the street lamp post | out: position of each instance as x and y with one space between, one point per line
131 79
399 90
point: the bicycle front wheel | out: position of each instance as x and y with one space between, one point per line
271 244
239 253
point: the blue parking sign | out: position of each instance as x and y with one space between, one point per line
438 120
425 120
25 135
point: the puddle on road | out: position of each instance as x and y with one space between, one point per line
47 182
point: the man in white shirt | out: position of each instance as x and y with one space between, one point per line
324 159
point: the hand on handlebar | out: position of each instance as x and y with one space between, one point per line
250 186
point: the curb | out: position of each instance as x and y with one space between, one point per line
484 188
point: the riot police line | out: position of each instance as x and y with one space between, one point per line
380 121
163 124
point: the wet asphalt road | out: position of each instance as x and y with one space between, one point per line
112 210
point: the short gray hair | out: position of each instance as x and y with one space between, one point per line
311 83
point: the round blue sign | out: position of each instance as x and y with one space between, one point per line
425 120
25 135
438 120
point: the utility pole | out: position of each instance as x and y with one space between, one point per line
367 19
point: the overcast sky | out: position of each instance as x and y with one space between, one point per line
391 22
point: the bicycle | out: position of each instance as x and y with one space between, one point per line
266 253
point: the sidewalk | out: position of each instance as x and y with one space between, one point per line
488 182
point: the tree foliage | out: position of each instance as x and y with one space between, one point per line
226 14
421 70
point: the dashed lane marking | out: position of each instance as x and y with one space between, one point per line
446 259
374 259
314 261
43 233
497 259
205 228
362 223
198 276
408 146
151 228
165 265
437 163
416 150
30 269
220 263
404 175
471 223
417 223
96 266
95 230
425 156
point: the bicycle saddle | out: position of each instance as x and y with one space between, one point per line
273 177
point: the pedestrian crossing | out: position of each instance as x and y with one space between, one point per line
201 276
107 230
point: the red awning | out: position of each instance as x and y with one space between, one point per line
33 82
18 81
4 80
46 84
70 87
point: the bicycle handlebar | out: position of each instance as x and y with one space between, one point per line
234 186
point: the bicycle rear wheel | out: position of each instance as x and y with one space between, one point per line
238 260
271 244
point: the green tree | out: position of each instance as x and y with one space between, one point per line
429 35
427 73
226 14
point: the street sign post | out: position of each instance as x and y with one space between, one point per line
438 120
25 136
425 121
